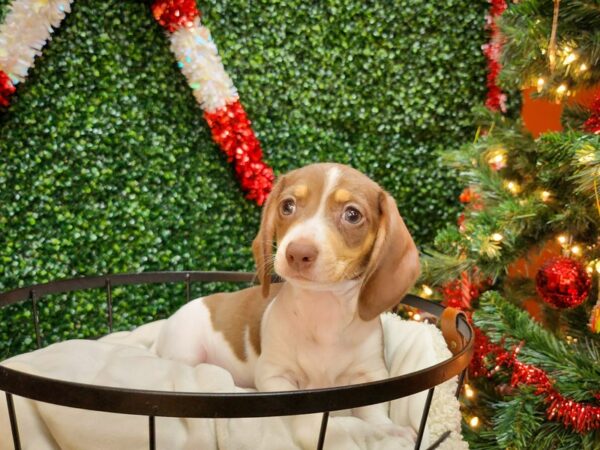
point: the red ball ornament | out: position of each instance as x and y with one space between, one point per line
563 283
592 124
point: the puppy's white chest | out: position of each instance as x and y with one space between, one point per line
319 344
323 360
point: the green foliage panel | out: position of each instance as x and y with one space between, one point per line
106 164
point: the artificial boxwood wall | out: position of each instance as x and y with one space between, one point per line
106 164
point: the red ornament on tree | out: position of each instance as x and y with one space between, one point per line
563 282
592 125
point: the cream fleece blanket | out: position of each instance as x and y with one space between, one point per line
124 360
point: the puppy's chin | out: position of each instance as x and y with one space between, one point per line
331 286
317 280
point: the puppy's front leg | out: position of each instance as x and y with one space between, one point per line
378 414
305 428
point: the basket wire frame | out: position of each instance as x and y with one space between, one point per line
168 404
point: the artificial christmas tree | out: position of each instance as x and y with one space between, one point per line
524 260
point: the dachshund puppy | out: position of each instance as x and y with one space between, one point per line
346 256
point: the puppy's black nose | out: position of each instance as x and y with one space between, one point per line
301 255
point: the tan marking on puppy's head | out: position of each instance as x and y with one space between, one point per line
342 196
300 191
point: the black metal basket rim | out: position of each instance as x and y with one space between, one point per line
214 405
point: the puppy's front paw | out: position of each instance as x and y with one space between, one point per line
396 430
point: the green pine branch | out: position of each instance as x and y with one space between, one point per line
573 368
555 174
526 27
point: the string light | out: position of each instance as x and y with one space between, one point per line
562 239
427 291
570 58
474 422
545 195
583 67
496 158
469 392
513 187
497 237
598 266
576 250
417 317
540 84
560 90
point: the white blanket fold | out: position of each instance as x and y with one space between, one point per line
124 360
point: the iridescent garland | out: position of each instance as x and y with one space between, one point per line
29 25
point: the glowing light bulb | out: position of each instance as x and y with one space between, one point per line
570 58
427 291
497 237
417 317
576 250
469 392
498 159
513 187
583 67
562 239
474 422
545 195
561 89
598 266
540 84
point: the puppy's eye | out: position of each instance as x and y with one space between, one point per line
352 215
288 206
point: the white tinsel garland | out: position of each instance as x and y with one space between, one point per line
28 26
201 64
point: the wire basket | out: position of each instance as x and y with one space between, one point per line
221 405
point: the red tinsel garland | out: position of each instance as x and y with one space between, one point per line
7 89
592 124
495 99
231 130
173 14
580 416
229 125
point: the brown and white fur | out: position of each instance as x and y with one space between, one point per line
345 255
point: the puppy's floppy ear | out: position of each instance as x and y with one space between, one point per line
393 266
262 247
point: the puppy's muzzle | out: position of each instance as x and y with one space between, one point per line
301 255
